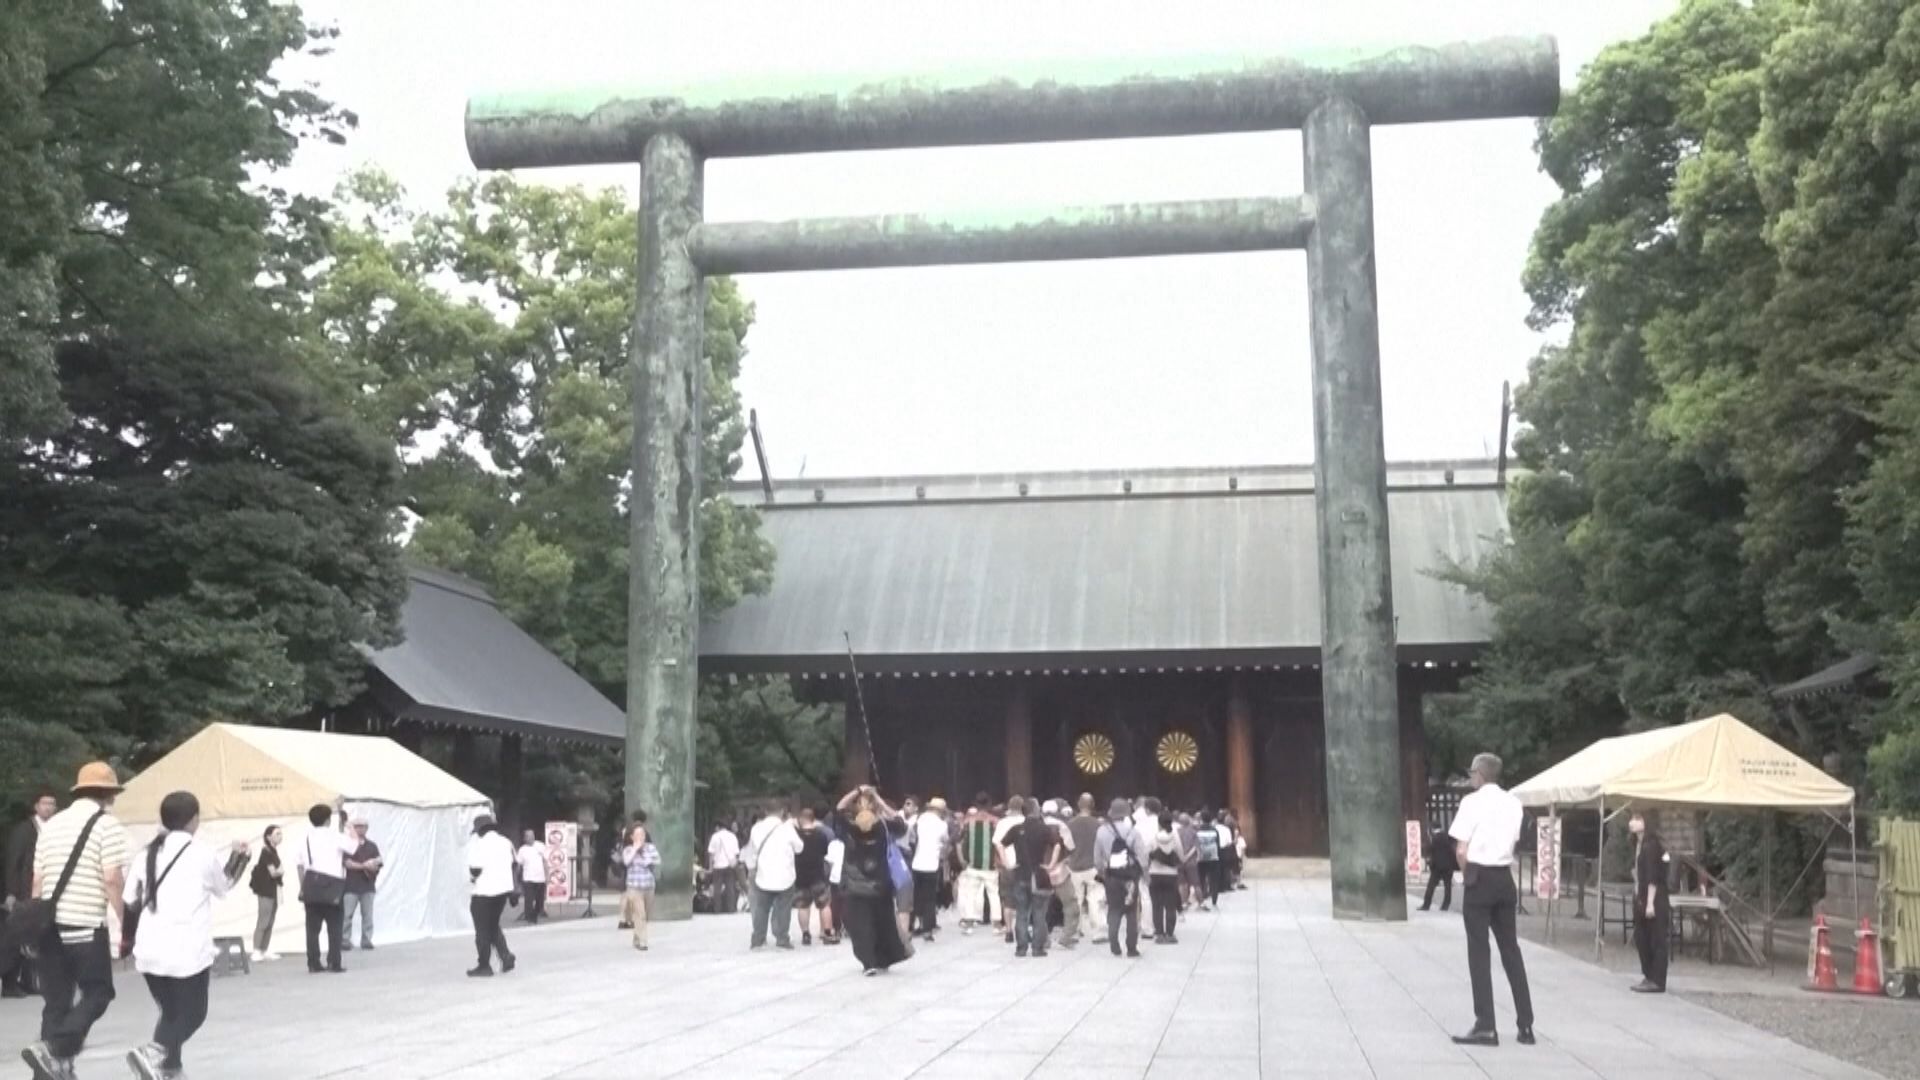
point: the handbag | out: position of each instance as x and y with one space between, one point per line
32 920
897 867
320 890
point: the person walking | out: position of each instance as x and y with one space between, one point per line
929 855
978 892
723 860
531 862
1163 880
490 870
1485 830
1652 905
170 896
1123 856
16 971
363 877
867 881
265 886
810 886
79 867
1212 869
1082 867
321 860
770 853
1036 846
642 861
1442 864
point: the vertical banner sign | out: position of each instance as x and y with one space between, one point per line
563 843
1416 851
1546 870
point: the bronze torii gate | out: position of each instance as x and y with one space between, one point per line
1333 99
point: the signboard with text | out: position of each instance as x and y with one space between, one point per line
563 841
1546 870
1416 850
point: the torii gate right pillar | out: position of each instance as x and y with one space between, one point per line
1357 668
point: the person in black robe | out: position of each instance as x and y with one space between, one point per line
1442 864
867 883
1652 906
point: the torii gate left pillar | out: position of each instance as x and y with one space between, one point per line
1334 99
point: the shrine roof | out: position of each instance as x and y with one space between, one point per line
1083 570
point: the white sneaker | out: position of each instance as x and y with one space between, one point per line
145 1061
257 957
269 957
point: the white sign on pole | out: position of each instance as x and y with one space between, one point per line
1416 850
563 842
1546 870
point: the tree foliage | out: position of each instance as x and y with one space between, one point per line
1722 457
493 335
189 529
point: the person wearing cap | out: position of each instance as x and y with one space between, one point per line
490 869
1065 896
363 878
929 856
76 963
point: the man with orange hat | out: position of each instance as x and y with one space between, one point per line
79 866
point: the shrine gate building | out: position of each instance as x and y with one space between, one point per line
1121 633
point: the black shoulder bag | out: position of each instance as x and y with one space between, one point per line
148 896
318 889
32 920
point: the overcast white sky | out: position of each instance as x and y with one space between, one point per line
1197 360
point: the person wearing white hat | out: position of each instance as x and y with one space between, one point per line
490 868
363 878
929 857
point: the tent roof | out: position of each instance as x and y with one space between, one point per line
1831 679
1718 761
465 664
238 771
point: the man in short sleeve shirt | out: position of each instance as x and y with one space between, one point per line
1485 832
82 964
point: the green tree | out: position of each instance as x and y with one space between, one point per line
493 335
1721 457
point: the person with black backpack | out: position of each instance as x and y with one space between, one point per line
1122 852
168 928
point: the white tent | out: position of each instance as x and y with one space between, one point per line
248 778
1718 761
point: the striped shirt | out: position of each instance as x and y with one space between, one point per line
83 907
976 841
641 862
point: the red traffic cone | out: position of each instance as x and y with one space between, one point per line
1868 978
1820 959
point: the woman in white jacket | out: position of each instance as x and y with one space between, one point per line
170 892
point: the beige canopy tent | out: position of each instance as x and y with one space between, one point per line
1716 762
249 778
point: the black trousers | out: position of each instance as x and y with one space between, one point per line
926 901
330 916
66 971
1122 903
1652 937
488 938
533 898
1164 891
183 1008
1437 878
1490 902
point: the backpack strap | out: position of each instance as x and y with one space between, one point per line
73 858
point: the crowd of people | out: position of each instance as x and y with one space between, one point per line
1041 874
73 874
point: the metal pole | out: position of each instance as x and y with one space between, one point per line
1358 675
1600 885
1553 818
1853 845
664 582
1767 885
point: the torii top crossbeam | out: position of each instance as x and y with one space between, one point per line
1497 78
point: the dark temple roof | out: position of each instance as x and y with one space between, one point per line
1830 680
1170 568
464 664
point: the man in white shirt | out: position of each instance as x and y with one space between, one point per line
1066 895
1485 831
723 860
324 851
929 856
490 866
771 848
532 862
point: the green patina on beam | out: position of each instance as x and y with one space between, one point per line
750 116
1003 235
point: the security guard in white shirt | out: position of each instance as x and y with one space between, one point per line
1486 830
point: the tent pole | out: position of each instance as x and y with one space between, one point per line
1600 885
1853 844
1766 883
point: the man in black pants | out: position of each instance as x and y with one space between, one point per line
18 980
1442 863
321 860
1486 829
1122 854
490 864
1652 908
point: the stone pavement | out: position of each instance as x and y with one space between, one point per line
1272 987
